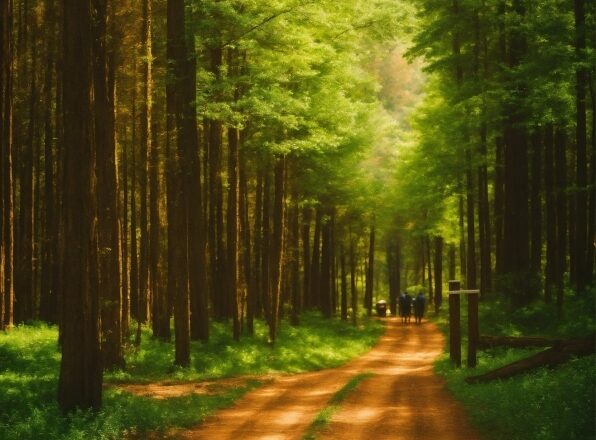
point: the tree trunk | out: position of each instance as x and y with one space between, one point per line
344 284
277 248
590 261
266 247
551 215
48 294
516 252
552 357
6 164
249 279
584 268
315 271
232 229
370 272
438 273
326 262
306 263
134 254
24 281
160 314
536 203
80 383
499 204
216 230
462 239
353 291
561 208
189 147
451 261
294 266
470 218
108 222
484 230
178 215
429 268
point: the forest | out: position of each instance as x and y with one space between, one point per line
200 190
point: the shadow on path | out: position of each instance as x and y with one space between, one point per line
403 400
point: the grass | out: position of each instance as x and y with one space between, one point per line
323 418
29 364
548 404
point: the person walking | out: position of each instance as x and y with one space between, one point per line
419 307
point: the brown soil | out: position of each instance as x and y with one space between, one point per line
166 390
403 400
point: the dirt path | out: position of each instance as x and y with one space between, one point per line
382 407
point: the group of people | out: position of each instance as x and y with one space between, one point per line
406 303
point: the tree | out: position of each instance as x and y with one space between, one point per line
80 383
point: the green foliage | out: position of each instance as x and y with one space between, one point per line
545 405
29 364
555 404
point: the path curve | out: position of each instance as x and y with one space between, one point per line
382 407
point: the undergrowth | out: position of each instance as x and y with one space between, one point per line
29 365
547 404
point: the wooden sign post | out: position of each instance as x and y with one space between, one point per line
473 331
455 293
454 330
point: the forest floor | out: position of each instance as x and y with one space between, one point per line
402 398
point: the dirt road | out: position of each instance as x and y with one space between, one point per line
403 400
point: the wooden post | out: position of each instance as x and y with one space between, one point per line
473 331
454 327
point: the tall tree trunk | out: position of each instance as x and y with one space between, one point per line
370 272
451 261
326 262
160 305
277 248
470 218
438 241
306 263
134 254
145 151
516 252
536 203
249 279
581 197
551 214
392 273
429 268
499 203
562 205
253 306
462 238
48 294
189 137
266 245
344 284
484 230
6 163
177 216
353 291
233 229
108 223
315 271
126 268
590 260
24 306
294 267
216 232
80 383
